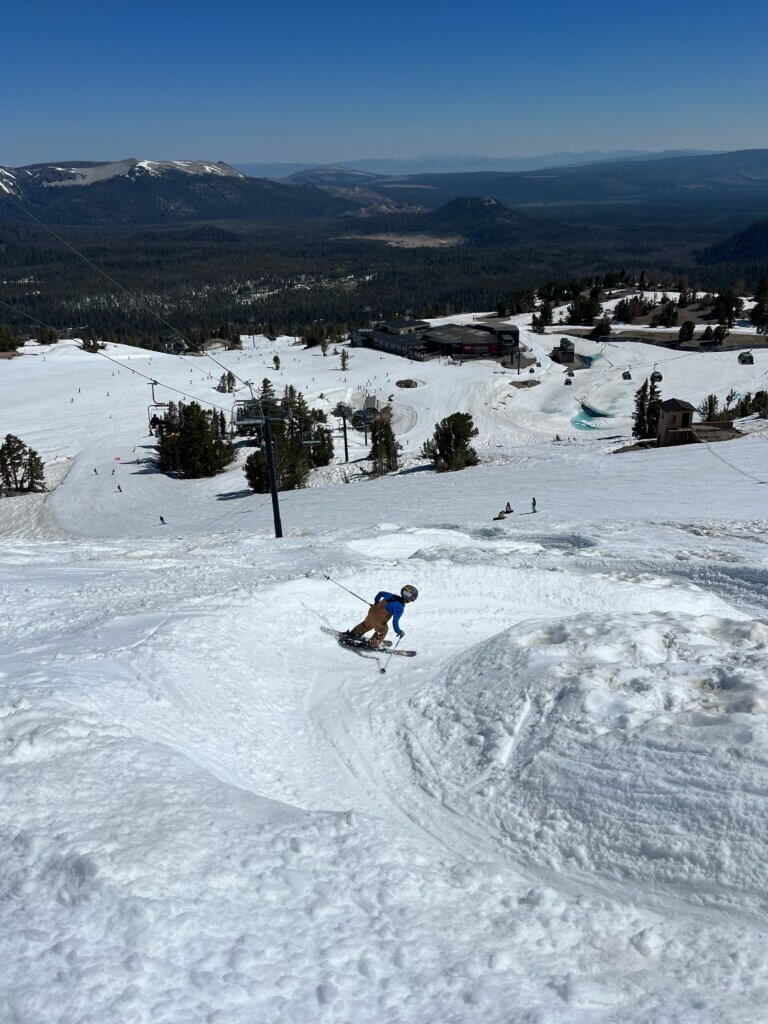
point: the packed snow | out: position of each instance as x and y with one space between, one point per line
554 813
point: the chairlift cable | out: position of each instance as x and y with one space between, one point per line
103 273
124 366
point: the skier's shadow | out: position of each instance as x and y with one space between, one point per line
527 513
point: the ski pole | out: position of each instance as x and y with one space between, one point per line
348 590
383 670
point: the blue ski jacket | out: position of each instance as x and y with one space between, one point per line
395 606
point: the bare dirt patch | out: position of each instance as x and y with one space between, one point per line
411 241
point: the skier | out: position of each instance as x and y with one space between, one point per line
533 504
162 521
499 516
385 606
508 509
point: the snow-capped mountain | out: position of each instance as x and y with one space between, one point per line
135 191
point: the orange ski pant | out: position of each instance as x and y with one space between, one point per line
377 620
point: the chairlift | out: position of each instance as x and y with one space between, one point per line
656 376
746 358
568 382
155 410
626 375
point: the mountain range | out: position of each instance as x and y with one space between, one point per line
135 191
463 162
149 191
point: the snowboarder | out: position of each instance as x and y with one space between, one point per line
533 504
499 516
385 606
508 509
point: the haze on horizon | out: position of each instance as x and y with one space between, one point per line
250 83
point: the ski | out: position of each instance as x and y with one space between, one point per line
363 647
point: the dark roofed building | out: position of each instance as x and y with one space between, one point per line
508 335
409 344
403 326
675 422
462 341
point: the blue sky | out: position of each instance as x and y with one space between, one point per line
258 82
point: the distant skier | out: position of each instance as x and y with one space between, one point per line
96 472
385 606
533 504
501 515
162 521
508 509
120 488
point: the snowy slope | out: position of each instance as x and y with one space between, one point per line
555 813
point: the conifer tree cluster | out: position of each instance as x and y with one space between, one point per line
585 309
449 449
90 343
9 339
759 312
629 309
687 330
645 421
667 316
193 442
301 441
710 410
384 447
226 383
21 468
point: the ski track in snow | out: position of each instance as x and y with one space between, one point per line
555 813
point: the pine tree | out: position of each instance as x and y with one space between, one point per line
300 442
21 468
195 449
708 408
602 327
344 359
276 362
47 336
640 417
384 447
687 330
449 447
654 410
9 340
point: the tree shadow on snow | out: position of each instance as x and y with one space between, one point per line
232 495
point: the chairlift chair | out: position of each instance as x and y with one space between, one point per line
656 376
626 375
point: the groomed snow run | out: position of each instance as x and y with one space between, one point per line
555 814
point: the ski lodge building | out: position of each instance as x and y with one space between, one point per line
415 339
